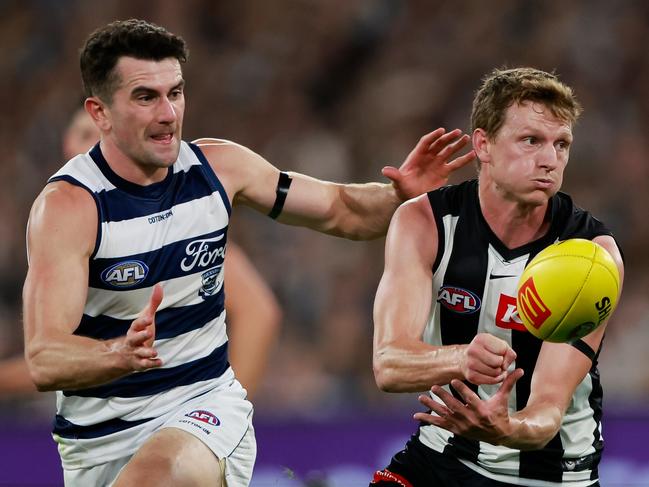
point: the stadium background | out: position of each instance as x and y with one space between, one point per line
337 89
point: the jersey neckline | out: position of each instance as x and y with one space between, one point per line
154 190
542 241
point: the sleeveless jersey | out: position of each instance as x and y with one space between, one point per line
172 232
474 290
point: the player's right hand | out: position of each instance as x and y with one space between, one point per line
137 346
486 359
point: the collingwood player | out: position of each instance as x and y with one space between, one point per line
123 300
505 408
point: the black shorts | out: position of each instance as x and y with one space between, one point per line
419 466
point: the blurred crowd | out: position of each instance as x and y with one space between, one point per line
337 89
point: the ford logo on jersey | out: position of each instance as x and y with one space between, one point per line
458 299
125 274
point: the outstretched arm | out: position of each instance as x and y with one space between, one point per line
61 236
403 362
559 369
253 316
356 211
14 377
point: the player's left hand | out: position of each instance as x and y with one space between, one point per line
472 417
429 164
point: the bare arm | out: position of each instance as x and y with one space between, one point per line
559 369
402 361
356 211
254 317
61 235
14 377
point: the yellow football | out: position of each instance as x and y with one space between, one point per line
567 290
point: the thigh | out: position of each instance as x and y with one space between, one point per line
172 457
100 475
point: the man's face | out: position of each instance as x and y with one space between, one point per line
529 153
146 113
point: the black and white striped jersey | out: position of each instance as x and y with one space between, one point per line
474 291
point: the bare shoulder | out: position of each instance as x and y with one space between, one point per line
222 150
610 245
413 231
63 198
415 212
243 172
63 211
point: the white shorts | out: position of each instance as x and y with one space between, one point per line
222 419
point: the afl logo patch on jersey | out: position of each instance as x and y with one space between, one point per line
125 274
204 416
458 300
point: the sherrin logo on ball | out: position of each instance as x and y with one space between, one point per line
568 290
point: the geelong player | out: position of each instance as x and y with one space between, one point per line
254 315
123 300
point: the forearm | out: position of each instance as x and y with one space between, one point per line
533 427
368 210
249 357
251 339
74 362
417 366
14 377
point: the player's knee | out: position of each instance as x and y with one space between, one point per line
163 471
148 470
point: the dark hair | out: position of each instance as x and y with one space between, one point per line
503 87
134 38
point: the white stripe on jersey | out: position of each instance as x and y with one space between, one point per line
186 159
84 170
181 225
85 411
576 479
173 352
576 435
123 305
432 334
182 348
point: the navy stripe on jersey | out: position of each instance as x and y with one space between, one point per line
209 173
154 190
170 322
71 180
155 381
66 429
189 256
186 186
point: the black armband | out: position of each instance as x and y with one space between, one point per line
584 348
283 184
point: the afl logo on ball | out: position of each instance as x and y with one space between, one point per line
125 274
204 416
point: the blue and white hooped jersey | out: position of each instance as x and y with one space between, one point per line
173 232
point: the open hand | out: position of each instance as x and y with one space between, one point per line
428 166
137 346
471 417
